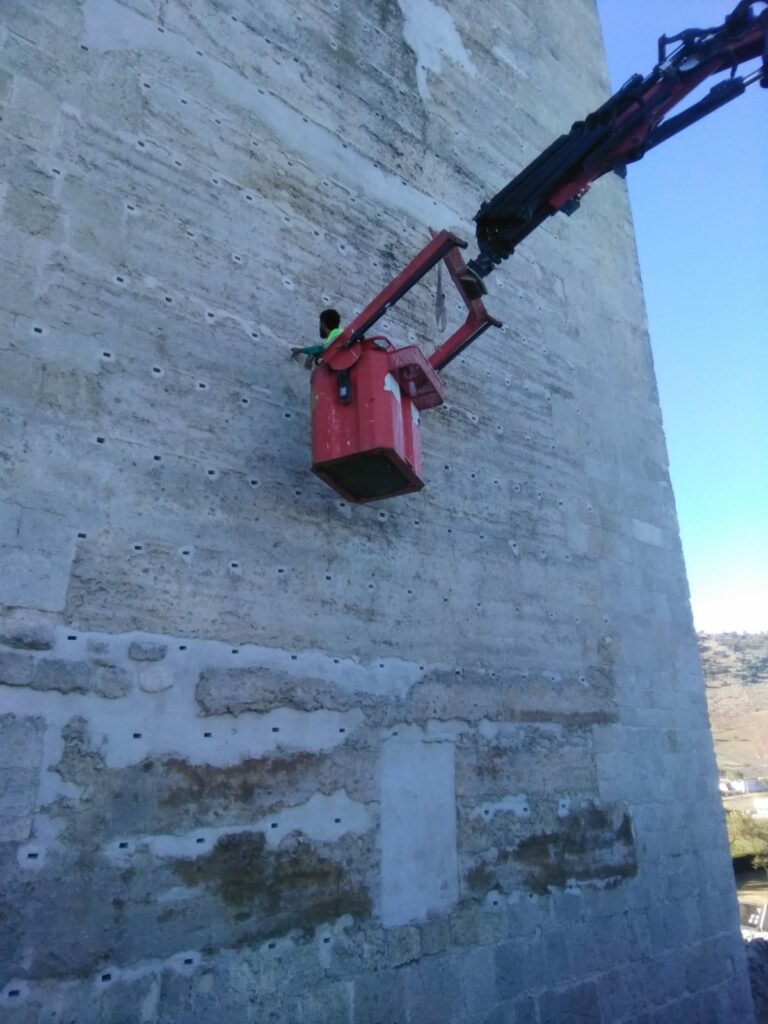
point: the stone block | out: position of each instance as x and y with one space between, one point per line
27 637
525 1011
9 523
33 213
579 1004
21 749
379 998
403 945
21 741
435 936
18 669
433 990
6 84
42 530
520 968
478 979
328 1002
33 579
143 651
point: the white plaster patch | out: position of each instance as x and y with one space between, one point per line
110 26
432 35
154 722
647 533
322 818
518 804
419 862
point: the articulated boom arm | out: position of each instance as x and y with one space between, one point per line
623 130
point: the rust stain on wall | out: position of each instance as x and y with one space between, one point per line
294 887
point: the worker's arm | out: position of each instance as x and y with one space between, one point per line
308 350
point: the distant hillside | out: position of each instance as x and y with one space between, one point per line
735 669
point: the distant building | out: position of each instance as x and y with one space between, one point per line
741 786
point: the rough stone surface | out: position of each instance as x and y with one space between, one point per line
147 652
265 756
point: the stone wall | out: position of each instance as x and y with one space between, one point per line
265 756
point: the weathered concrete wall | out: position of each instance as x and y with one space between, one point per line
264 756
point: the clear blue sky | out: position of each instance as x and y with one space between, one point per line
700 207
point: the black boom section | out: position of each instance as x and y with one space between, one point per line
521 206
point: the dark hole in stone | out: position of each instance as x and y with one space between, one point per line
14 992
99 440
106 977
182 647
38 330
200 839
271 945
337 821
72 636
294 657
122 846
137 735
156 458
275 728
326 939
32 856
207 735
188 960
273 825
342 729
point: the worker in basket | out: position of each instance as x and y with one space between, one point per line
329 332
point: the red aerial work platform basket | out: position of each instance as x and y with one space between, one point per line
366 439
367 394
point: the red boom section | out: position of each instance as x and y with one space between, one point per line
345 351
633 127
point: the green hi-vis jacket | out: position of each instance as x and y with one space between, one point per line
316 350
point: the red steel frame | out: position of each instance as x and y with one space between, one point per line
343 352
